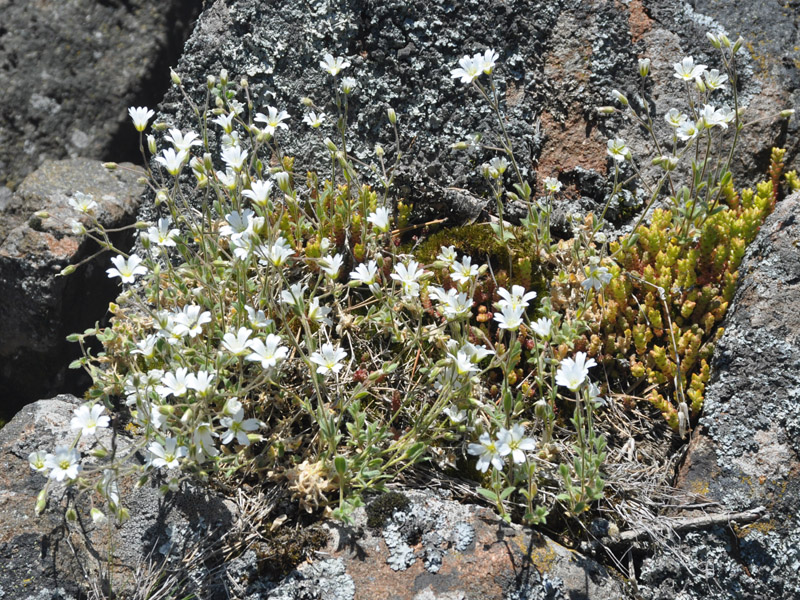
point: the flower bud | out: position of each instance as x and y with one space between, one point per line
644 67
41 214
68 270
98 516
283 181
223 76
161 197
208 162
540 408
460 146
306 101
785 114
699 84
379 151
723 39
71 515
606 110
160 126
110 165
392 116
713 39
123 514
41 502
737 45
330 145
243 83
620 97
174 76
151 144
211 81
141 180
220 103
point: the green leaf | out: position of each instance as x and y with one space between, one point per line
507 492
489 494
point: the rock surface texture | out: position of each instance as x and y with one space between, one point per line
746 452
38 309
558 62
69 70
44 559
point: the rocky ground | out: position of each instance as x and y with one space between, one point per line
70 75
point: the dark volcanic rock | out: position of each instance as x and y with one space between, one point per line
69 70
42 554
558 62
747 451
38 309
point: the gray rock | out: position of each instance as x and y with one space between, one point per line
41 554
37 308
746 452
69 70
558 62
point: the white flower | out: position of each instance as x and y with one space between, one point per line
475 353
168 454
172 161
162 235
675 118
37 461
542 327
348 84
454 304
175 384
83 203
514 442
314 120
148 414
408 275
487 452
488 60
517 298
273 119
469 69
238 223
594 395
234 157
333 65
462 363
317 313
552 185
238 427
203 439
269 354
464 271
294 295
228 179
89 418
257 318
190 320
687 70
328 358
64 464
365 274
498 165
277 253
181 142
201 382
225 121
573 372
259 192
456 415
687 131
146 347
509 318
237 343
109 488
596 277
618 150
380 219
331 264
126 269
77 227
140 115
715 80
447 255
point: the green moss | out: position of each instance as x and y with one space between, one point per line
384 506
